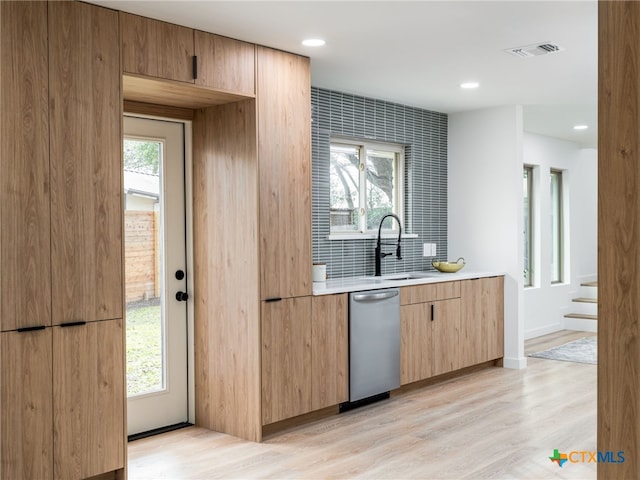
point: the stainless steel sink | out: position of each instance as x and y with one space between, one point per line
400 277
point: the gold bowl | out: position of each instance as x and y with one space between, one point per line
449 267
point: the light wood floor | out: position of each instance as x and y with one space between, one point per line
493 424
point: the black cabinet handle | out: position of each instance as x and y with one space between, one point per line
72 324
276 299
432 312
195 67
31 329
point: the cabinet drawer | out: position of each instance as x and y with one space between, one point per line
429 293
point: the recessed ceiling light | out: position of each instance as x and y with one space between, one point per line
313 42
469 85
580 127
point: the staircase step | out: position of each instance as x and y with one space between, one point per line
582 315
590 284
585 300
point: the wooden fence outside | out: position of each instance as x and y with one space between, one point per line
142 248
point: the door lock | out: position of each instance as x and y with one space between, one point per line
182 296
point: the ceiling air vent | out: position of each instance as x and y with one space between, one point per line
534 50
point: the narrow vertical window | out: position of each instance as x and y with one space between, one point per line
528 225
556 227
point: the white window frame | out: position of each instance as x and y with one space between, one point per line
529 267
398 187
557 213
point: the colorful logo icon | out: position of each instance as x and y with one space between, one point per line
559 458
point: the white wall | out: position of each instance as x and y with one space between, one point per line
545 304
139 203
486 205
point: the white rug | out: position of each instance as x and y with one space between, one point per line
584 350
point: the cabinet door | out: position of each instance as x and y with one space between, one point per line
416 359
286 359
482 326
86 149
25 283
493 308
225 63
88 399
284 156
156 49
473 334
445 336
26 392
329 350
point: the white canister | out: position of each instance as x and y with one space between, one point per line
319 272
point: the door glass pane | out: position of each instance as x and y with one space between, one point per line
143 266
380 181
345 188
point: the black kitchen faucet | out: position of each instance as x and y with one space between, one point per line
379 254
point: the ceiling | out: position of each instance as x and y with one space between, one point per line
418 52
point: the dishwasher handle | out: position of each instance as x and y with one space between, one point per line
372 297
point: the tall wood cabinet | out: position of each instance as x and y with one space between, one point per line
86 172
62 345
284 162
25 251
252 231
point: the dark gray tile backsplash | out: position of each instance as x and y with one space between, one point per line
424 134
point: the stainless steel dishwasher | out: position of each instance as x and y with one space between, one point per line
374 343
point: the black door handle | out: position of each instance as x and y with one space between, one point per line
182 296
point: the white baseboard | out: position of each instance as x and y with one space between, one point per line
514 363
538 332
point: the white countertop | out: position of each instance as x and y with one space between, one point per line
356 284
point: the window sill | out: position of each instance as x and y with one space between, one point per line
367 236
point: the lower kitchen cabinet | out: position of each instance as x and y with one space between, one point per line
429 339
62 401
415 342
26 391
329 350
88 399
305 355
286 358
482 320
445 336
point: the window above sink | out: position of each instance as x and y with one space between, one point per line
365 183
